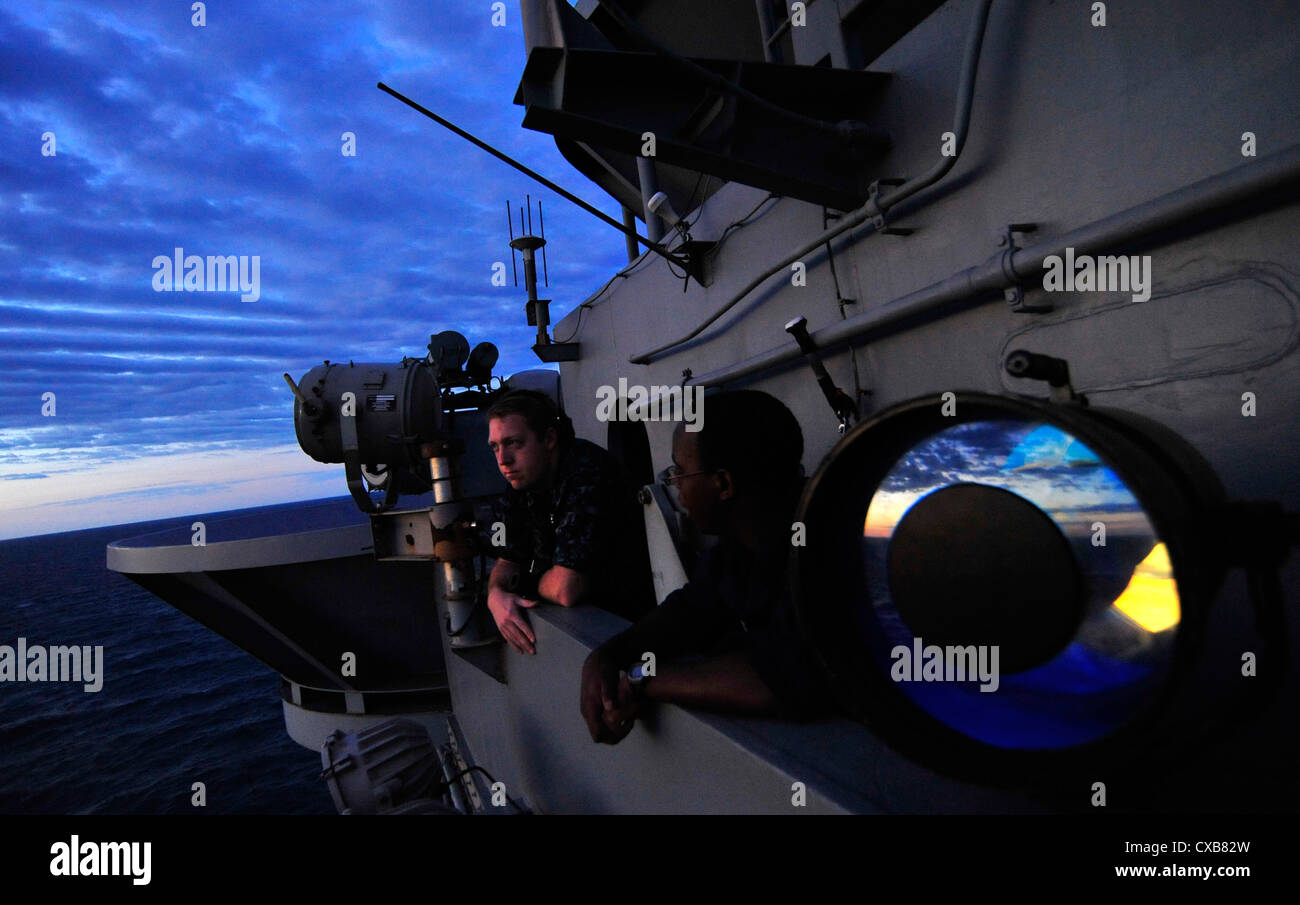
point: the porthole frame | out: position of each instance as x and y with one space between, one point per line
1175 487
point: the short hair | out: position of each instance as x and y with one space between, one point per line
539 411
754 437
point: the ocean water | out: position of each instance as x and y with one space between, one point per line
179 704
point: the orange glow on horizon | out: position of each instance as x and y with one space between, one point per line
1151 598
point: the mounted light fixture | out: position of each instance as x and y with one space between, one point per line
376 417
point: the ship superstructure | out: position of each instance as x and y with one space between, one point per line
1024 274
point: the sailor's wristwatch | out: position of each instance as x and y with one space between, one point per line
637 678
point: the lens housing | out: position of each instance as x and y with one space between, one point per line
1072 539
396 406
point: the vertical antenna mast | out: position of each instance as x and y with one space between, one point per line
546 280
510 224
537 309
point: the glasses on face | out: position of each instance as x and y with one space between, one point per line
669 477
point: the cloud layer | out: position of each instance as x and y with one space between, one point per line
227 139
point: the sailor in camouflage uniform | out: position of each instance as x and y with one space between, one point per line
573 529
740 480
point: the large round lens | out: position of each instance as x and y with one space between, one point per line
1018 592
1010 591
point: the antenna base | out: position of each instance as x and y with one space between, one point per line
527 243
696 253
553 352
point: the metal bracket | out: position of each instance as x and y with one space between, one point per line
352 470
878 220
844 408
1015 293
1055 372
553 352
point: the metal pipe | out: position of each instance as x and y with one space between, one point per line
777 34
1242 183
877 206
765 28
629 220
785 25
533 174
614 174
645 172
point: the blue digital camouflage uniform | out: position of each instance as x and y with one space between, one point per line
589 521
739 600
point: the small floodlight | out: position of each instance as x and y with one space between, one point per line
661 207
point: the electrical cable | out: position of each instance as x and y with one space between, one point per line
742 222
839 298
446 784
876 207
626 272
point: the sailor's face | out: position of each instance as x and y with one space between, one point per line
524 460
697 490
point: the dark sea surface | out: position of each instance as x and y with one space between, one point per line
179 704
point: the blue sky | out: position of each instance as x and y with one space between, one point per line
1041 463
226 139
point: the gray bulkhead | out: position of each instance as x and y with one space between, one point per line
1070 124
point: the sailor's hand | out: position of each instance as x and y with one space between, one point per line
508 611
620 718
599 698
